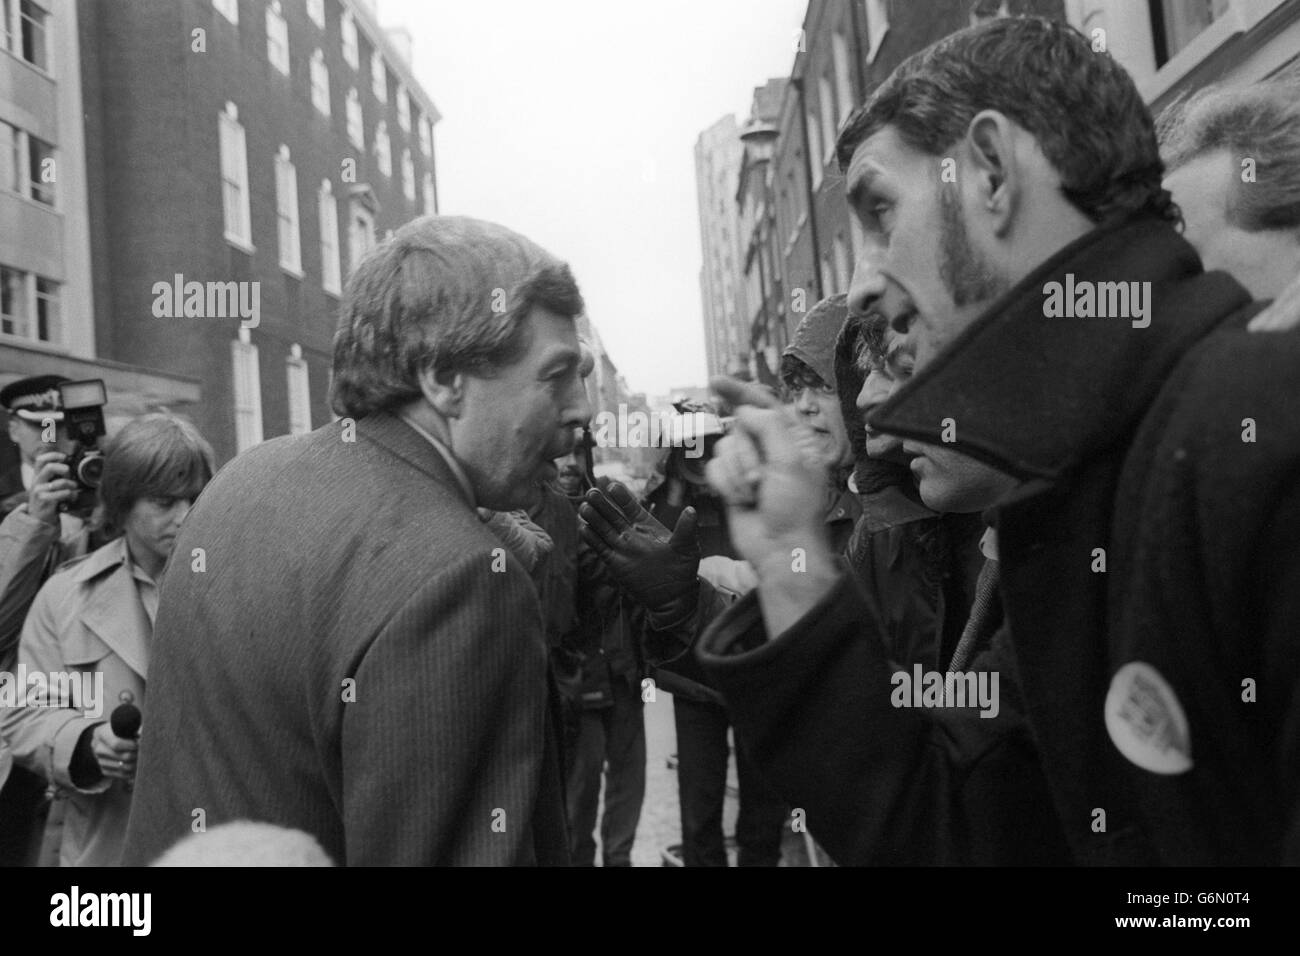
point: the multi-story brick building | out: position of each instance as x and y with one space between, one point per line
47 296
718 154
240 141
1173 48
764 294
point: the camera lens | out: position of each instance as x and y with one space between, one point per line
90 471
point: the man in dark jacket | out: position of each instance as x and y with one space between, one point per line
346 648
1138 447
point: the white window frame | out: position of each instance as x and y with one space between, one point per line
383 149
298 382
430 196
247 391
426 136
320 83
843 82
50 297
815 149
277 37
826 111
378 76
16 35
403 109
12 158
316 10
355 120
288 229
877 12
357 249
408 175
328 214
348 32
234 175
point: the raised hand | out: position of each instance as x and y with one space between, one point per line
655 566
773 486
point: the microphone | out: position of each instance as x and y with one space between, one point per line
125 721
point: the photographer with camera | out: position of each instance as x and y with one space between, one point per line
39 532
93 621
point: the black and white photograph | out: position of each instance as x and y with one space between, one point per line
837 434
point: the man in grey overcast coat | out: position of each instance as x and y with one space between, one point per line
342 646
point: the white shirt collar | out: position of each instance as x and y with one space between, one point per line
461 478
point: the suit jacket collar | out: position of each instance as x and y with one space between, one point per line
406 443
1033 395
113 610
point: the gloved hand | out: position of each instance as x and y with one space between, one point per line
655 566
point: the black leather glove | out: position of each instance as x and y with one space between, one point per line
656 567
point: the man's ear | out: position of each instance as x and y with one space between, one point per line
991 140
446 393
13 427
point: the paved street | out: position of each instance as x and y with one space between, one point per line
660 824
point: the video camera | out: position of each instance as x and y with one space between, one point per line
83 417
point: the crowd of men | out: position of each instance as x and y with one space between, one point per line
1008 574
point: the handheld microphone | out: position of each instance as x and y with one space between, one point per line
125 721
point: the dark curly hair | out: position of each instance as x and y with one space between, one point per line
1080 105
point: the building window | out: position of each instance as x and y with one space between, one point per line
403 109
877 26
331 270
286 211
41 170
48 325
430 197
248 392
842 274
24 296
843 82
234 178
316 10
426 136
828 118
355 131
228 9
408 175
277 37
348 27
320 83
815 150
10 158
383 149
34 24
378 77
295 367
361 233
13 302
1176 23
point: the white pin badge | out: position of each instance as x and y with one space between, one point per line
1145 721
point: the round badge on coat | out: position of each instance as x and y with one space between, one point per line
1146 722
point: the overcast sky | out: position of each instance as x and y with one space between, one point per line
574 122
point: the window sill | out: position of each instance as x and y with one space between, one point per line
34 203
36 345
39 71
242 245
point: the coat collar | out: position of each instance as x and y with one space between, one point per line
113 610
1033 395
406 443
